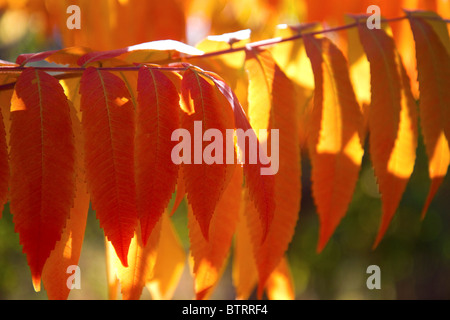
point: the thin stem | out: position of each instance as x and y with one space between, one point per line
274 41
82 69
75 71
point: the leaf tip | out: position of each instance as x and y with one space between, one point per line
122 254
378 240
203 294
435 184
325 235
205 229
321 245
36 279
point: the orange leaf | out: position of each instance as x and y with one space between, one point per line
141 260
433 66
334 135
5 125
359 69
68 249
156 174
292 59
291 55
210 256
68 56
260 185
42 165
168 267
245 273
280 284
108 127
392 121
272 106
205 175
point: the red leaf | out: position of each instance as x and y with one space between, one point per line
42 165
108 127
156 174
68 56
33 57
205 182
68 249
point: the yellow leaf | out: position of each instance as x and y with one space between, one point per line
168 267
273 107
280 284
392 121
141 260
335 128
245 273
210 256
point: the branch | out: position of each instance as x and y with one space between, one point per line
75 71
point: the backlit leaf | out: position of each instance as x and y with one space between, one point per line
4 158
210 256
68 249
102 25
42 165
392 121
72 91
205 174
156 174
280 284
5 125
433 65
168 267
244 271
292 59
261 186
141 260
272 106
33 57
108 127
334 135
67 56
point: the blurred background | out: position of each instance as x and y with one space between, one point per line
414 256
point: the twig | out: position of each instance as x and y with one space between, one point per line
70 72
